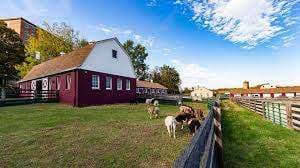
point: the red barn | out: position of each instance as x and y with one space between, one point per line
99 73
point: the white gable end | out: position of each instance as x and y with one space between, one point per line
101 60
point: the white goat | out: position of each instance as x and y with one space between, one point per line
156 103
170 123
149 101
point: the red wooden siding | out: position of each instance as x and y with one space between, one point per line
81 92
88 96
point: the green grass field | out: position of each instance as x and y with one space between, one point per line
252 141
55 135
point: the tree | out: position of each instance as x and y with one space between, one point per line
49 43
67 33
11 54
167 76
187 91
138 56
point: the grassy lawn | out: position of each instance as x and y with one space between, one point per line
252 141
55 135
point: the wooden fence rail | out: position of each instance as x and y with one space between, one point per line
285 112
205 148
30 96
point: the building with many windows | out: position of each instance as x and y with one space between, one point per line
146 89
262 91
99 73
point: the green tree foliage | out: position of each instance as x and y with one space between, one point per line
138 56
167 76
11 51
187 91
67 33
11 54
49 43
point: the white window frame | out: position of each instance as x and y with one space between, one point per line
95 80
121 82
68 81
128 84
57 83
110 78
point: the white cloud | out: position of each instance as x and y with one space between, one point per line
148 41
178 2
193 74
152 3
244 22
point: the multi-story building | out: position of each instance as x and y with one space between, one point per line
23 27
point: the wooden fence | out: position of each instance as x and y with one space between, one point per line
29 96
285 112
205 148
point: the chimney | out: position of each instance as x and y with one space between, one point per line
246 85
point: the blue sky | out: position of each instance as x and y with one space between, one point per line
212 43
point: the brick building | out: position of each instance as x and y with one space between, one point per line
22 26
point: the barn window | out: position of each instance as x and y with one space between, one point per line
108 83
119 84
95 82
114 53
127 84
68 82
57 83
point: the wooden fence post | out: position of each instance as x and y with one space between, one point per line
218 134
279 109
289 114
35 96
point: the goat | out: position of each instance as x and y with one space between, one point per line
186 109
199 114
155 103
153 111
193 125
184 117
170 123
179 103
149 101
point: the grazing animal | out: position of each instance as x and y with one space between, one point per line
155 103
170 123
193 125
184 117
153 111
199 114
186 109
149 101
179 103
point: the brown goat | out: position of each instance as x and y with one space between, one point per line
199 114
